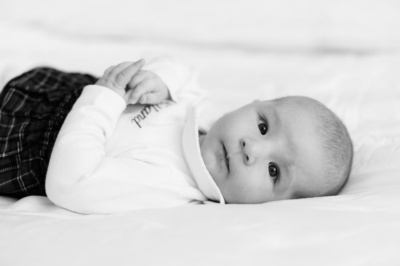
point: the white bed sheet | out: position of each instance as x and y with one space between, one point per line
361 226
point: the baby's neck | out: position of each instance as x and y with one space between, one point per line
202 135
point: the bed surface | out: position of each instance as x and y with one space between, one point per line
345 55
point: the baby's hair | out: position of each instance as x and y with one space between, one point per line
337 146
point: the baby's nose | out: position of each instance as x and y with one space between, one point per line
251 150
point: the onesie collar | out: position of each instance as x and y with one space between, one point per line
194 160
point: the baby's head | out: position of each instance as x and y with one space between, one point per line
291 147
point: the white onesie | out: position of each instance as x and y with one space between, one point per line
110 157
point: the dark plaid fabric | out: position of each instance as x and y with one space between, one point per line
33 107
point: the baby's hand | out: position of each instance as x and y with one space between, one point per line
146 87
118 77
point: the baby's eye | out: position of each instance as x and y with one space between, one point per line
273 170
263 127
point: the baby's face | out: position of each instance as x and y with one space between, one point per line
264 151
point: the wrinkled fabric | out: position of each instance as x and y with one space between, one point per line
33 107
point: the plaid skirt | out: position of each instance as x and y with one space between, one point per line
33 107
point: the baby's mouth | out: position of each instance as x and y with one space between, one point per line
225 157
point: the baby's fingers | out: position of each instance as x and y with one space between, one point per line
151 98
108 71
139 91
125 71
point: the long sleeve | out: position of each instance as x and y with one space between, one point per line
82 178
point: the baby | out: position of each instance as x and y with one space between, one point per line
131 141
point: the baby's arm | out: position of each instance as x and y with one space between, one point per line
81 177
